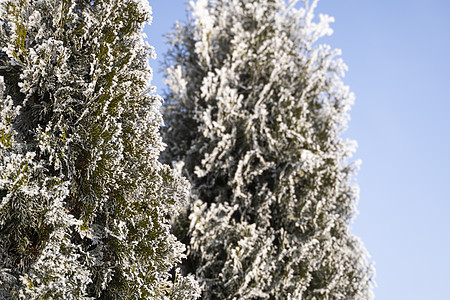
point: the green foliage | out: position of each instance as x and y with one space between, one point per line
85 203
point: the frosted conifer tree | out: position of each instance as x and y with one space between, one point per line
254 119
84 202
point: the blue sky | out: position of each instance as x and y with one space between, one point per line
399 69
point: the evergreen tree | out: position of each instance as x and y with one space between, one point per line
84 202
254 119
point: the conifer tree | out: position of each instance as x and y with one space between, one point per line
84 202
254 116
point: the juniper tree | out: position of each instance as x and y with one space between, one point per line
254 116
85 203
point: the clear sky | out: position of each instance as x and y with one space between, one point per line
399 69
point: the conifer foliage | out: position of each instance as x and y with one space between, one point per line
84 202
254 119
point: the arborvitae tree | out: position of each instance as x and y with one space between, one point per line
84 202
254 119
